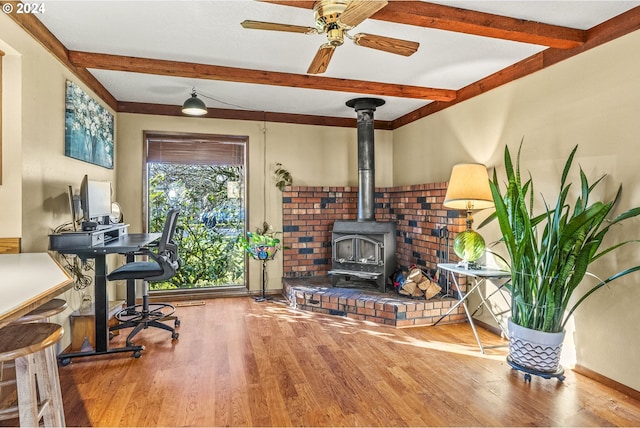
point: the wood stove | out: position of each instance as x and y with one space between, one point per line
364 249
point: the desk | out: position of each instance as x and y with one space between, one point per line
479 276
28 281
127 244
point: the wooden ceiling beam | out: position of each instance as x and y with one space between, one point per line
430 15
261 116
260 77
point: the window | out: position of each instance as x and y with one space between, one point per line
204 176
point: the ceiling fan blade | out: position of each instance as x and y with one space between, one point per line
321 60
359 10
260 25
387 44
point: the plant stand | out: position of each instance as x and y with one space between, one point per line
264 297
264 253
558 373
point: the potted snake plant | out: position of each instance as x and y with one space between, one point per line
549 256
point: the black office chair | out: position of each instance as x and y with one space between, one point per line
162 265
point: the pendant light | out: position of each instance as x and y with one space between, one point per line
194 106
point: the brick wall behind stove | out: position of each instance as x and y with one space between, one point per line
308 214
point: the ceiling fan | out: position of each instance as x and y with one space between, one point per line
335 18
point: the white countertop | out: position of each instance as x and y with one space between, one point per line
28 280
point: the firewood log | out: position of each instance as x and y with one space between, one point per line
430 288
416 276
417 293
424 284
409 287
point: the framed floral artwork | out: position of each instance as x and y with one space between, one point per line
88 128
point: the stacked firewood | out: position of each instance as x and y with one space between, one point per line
417 284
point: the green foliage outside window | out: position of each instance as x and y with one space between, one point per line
210 225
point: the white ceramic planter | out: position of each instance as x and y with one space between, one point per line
535 349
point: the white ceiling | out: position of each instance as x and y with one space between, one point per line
209 32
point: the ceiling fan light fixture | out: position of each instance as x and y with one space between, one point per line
194 106
327 12
335 36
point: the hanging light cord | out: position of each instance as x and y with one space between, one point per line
223 102
264 167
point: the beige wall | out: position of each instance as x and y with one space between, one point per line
34 140
36 172
11 188
592 100
314 155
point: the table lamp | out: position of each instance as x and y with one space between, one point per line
468 190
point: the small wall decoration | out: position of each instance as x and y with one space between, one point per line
88 128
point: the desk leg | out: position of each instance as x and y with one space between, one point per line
101 304
473 326
131 284
463 302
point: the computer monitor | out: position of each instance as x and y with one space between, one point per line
73 208
95 199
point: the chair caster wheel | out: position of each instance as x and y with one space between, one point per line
137 354
177 323
65 361
175 336
527 377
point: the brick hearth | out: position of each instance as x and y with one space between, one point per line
316 294
308 214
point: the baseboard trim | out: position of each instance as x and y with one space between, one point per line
493 329
606 381
197 293
206 293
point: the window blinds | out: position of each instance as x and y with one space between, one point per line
196 149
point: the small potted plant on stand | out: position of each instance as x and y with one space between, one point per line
262 245
549 257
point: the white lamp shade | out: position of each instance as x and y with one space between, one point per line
468 188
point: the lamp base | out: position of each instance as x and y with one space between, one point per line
469 246
469 265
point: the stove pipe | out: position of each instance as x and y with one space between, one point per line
364 108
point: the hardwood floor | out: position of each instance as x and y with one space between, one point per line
242 363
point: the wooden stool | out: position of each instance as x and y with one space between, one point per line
8 393
45 311
28 344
